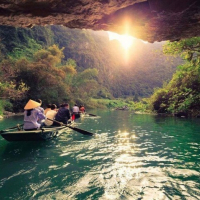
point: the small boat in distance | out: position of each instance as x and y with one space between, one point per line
18 134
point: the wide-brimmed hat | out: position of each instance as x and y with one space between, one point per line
31 104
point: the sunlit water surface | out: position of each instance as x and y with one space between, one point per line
131 157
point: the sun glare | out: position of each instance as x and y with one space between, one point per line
125 40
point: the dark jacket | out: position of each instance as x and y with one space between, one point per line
63 115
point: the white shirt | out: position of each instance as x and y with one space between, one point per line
75 109
51 115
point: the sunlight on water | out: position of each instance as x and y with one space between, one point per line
131 157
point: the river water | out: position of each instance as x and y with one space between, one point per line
139 157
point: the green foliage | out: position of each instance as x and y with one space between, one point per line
1 107
8 106
48 80
83 64
142 106
104 93
187 48
25 51
10 88
88 74
21 42
71 63
5 105
84 84
85 49
107 103
53 55
44 77
182 94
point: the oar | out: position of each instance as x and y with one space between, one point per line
18 125
92 115
73 128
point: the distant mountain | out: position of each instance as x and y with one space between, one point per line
145 68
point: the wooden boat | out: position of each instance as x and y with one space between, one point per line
18 134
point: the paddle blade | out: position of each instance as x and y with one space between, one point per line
92 115
73 128
81 131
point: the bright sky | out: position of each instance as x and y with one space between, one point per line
125 40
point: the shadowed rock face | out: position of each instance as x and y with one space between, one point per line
150 20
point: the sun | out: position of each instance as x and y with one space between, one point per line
125 40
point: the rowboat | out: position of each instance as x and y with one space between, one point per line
18 134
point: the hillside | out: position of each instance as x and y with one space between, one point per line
146 68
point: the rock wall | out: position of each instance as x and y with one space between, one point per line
150 20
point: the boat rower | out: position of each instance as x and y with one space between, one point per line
75 112
32 115
63 114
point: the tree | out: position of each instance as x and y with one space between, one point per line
188 49
47 75
9 87
182 94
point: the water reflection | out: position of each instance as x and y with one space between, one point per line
132 157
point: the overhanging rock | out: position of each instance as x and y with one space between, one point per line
152 20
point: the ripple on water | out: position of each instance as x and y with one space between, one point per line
146 160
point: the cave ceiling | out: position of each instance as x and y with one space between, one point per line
150 20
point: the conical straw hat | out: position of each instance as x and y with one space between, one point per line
31 104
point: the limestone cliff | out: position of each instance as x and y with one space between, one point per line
150 20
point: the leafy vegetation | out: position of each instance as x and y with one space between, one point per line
137 76
44 77
141 106
182 93
82 66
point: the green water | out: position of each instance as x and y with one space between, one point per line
132 157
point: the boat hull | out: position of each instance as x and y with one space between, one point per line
35 135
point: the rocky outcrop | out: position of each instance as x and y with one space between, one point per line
150 20
8 114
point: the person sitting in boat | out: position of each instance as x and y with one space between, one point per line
82 109
48 108
75 112
50 115
63 114
40 108
32 115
